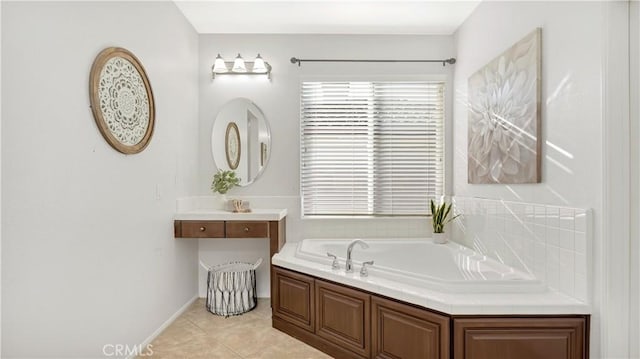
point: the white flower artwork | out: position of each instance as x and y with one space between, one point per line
504 116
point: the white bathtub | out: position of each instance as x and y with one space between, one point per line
449 278
447 268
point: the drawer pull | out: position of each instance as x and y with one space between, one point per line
202 229
246 229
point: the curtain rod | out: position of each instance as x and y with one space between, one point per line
295 60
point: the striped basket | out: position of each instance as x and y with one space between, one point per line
231 288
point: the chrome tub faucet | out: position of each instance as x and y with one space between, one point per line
349 263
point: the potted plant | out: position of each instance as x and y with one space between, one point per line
440 218
223 181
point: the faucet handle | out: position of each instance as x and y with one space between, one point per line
364 272
335 264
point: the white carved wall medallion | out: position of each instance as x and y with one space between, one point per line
504 116
122 100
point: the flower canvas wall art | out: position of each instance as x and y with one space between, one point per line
504 116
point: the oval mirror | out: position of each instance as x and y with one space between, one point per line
241 140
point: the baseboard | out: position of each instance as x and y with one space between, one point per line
165 324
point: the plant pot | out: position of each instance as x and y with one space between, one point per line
440 238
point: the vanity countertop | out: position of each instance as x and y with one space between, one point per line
257 214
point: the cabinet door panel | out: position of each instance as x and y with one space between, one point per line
403 331
343 317
521 338
293 298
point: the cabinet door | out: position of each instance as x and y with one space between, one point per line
403 331
521 338
293 299
343 317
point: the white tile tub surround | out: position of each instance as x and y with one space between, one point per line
550 242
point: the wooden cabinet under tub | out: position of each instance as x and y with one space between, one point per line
293 298
521 338
351 323
346 322
343 317
404 331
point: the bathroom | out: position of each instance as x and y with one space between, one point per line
90 261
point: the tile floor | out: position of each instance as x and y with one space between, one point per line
200 334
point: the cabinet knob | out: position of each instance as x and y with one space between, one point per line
246 229
202 229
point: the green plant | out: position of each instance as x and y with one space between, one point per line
439 214
224 181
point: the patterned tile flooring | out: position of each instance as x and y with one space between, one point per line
200 334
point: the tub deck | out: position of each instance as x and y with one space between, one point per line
448 278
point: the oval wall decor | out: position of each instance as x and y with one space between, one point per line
232 145
122 100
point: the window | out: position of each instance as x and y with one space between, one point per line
371 148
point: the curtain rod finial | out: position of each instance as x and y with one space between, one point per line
450 61
294 60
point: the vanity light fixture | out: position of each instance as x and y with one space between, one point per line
219 66
258 65
240 67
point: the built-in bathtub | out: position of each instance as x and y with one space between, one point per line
448 268
450 278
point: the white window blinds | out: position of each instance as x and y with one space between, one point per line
371 148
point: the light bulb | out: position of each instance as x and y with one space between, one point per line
259 66
219 66
238 65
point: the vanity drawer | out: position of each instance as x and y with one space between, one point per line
256 229
200 229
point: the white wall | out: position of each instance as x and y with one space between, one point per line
634 76
88 253
0 182
278 185
574 59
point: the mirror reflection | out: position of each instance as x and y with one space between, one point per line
241 140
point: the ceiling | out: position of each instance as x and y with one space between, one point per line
327 17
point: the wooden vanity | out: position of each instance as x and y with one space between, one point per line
346 322
234 229
261 223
